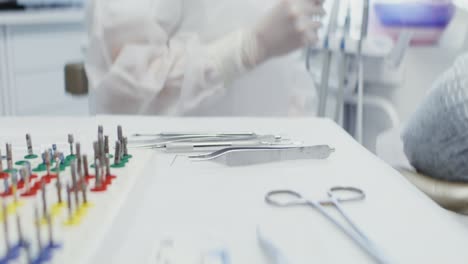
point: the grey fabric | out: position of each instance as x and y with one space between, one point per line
436 137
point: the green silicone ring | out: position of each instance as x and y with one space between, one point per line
40 168
62 168
119 165
21 162
32 156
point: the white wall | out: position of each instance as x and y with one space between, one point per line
424 64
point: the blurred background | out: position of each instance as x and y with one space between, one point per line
39 38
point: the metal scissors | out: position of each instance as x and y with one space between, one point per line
289 198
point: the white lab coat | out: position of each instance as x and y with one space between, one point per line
154 57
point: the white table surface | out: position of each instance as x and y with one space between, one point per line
201 201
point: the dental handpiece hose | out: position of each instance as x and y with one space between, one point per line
323 91
360 104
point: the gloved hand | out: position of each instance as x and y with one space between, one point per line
290 25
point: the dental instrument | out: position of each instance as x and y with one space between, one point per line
289 198
243 156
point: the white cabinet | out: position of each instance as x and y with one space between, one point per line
34 48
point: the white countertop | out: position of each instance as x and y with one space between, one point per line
42 16
201 201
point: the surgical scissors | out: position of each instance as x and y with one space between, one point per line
289 198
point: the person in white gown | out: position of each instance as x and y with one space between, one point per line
201 57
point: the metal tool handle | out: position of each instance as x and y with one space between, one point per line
208 146
163 142
288 198
232 134
281 152
284 198
346 194
361 241
194 134
358 195
307 152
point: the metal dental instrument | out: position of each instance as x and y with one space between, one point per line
85 166
106 145
96 150
71 140
29 144
117 157
243 156
125 146
119 133
212 141
101 144
9 157
108 170
120 138
185 147
196 134
78 157
75 183
165 138
58 184
84 189
97 171
323 91
69 203
289 198
44 199
1 161
47 161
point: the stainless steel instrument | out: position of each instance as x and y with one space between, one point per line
243 156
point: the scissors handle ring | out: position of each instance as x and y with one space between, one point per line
357 194
293 198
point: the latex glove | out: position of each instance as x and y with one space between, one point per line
290 25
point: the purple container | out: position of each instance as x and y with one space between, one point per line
433 14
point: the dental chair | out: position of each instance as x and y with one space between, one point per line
450 195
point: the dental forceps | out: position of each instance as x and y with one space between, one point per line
242 156
194 134
173 142
289 198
